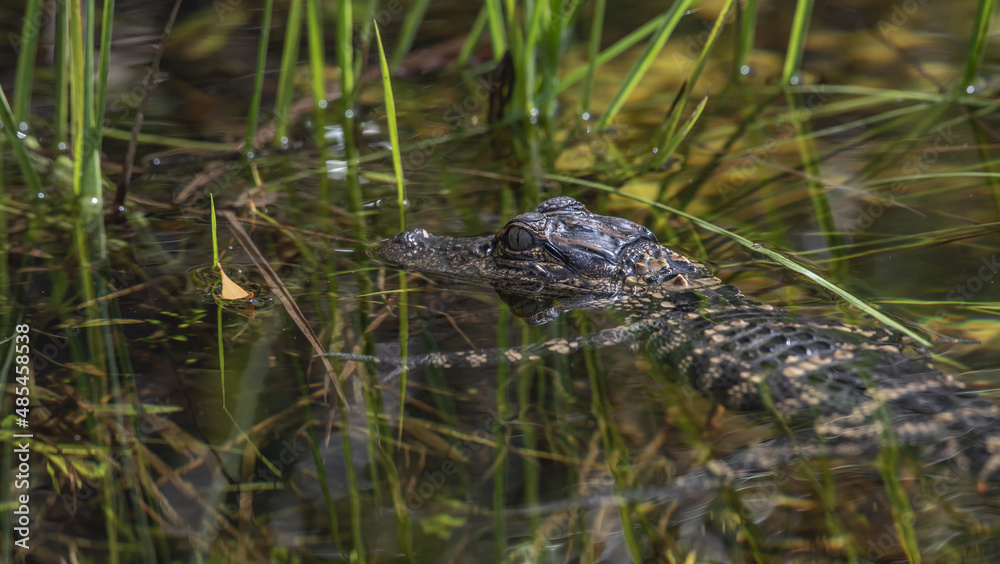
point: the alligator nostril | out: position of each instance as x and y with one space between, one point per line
413 236
406 242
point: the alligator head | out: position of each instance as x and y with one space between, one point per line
560 250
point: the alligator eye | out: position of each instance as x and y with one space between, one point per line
519 239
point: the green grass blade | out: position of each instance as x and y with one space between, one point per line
713 35
977 46
593 46
797 41
531 392
286 75
665 140
358 546
822 210
983 142
397 165
61 80
500 436
773 255
472 40
175 142
748 26
404 328
20 152
888 457
27 46
345 51
518 59
527 79
5 288
93 195
314 21
107 20
619 47
221 347
613 446
910 178
559 22
78 78
345 59
317 67
494 17
258 79
664 152
414 16
317 458
86 137
218 321
215 238
665 132
645 61
363 35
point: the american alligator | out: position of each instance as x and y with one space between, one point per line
843 385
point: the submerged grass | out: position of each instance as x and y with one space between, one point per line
616 455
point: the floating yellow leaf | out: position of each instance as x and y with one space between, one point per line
231 290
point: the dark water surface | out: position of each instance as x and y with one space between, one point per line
559 460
